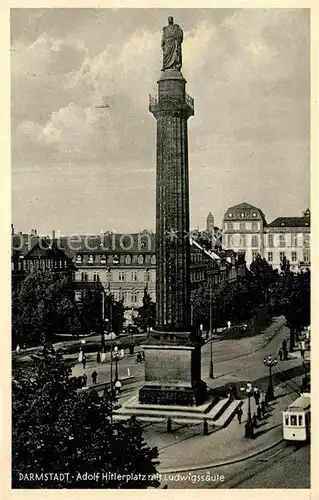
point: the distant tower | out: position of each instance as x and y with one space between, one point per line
210 223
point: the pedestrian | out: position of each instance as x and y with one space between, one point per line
94 377
239 414
17 349
84 380
118 387
280 354
254 419
256 396
84 362
228 324
302 349
259 413
80 356
98 357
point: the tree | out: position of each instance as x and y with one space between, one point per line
56 429
146 313
262 275
291 297
44 306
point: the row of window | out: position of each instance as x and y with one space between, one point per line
243 240
38 264
243 226
293 257
130 297
115 259
124 276
283 240
294 240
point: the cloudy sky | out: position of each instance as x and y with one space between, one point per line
77 167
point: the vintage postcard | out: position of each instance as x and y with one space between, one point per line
161 253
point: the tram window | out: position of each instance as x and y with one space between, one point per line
300 420
286 420
293 420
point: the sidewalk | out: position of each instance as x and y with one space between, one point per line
228 445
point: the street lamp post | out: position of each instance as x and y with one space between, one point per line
249 428
117 357
270 362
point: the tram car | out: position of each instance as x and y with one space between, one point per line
296 419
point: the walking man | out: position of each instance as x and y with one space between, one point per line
94 377
256 396
280 354
84 362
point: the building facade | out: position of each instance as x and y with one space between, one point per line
126 266
246 231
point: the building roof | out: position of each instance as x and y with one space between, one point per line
290 222
250 213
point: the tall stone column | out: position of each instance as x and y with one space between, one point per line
172 108
172 354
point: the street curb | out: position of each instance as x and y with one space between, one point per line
215 464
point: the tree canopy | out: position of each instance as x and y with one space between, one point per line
43 307
56 429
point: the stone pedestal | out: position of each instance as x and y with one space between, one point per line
172 375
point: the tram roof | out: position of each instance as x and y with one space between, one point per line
302 403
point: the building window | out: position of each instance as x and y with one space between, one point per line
242 242
78 259
96 277
282 240
254 226
306 240
229 240
153 260
242 215
128 260
115 259
133 276
103 260
254 240
270 256
121 275
242 226
270 240
140 259
293 256
230 225
306 256
230 214
254 254
90 259
294 240
282 255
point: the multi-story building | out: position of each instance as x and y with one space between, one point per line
243 230
246 231
288 237
32 252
